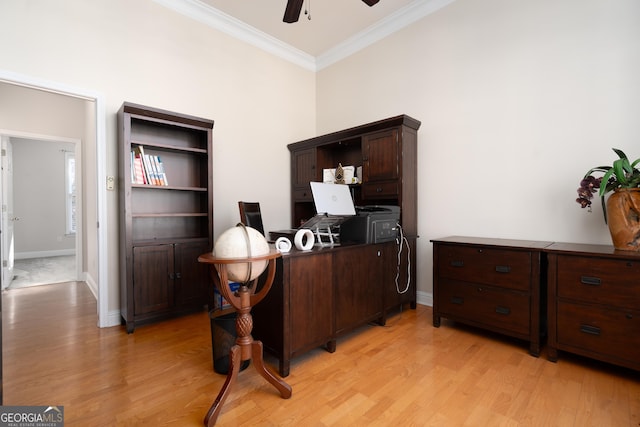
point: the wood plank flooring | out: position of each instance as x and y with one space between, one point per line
407 373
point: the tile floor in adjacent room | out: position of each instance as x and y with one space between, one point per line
43 271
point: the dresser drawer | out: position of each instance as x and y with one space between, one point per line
506 268
609 334
599 280
501 309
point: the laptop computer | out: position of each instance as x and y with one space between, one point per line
334 206
332 199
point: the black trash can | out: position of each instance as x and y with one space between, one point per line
223 337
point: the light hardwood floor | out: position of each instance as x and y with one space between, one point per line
407 373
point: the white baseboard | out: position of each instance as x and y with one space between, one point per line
425 298
44 254
113 317
93 286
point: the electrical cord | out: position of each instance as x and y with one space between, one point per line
401 241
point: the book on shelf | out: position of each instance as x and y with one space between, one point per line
147 168
162 174
138 171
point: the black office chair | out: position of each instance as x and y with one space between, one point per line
250 215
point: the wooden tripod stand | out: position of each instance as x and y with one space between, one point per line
245 347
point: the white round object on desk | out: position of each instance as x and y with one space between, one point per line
283 244
304 239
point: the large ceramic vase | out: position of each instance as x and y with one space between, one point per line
623 218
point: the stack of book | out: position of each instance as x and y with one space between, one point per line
147 168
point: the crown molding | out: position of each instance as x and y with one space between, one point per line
220 21
227 24
400 19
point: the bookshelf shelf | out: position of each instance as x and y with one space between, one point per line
161 215
167 147
169 187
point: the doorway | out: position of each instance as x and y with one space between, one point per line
37 117
42 243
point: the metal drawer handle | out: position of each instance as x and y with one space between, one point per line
593 281
457 300
503 310
457 263
592 330
503 269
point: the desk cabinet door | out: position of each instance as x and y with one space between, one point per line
357 278
311 302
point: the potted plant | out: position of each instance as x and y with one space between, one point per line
622 208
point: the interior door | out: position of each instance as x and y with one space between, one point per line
7 212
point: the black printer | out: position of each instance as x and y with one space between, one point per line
371 224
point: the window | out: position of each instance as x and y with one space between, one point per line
70 191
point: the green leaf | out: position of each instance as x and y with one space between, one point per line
619 169
620 153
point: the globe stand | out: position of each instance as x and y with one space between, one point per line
245 347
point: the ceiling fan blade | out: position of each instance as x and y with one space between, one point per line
371 2
292 12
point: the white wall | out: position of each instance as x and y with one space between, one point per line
39 198
518 99
141 52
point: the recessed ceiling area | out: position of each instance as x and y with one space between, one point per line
332 21
327 30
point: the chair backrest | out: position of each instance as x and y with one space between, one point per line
250 215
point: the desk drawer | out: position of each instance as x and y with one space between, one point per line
607 332
598 280
302 194
501 309
380 190
506 268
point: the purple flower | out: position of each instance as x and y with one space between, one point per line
588 187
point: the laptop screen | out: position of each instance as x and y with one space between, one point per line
332 199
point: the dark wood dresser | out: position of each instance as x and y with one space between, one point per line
594 303
494 284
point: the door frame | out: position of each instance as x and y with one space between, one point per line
101 154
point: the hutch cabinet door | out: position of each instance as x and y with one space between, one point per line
304 171
380 156
153 275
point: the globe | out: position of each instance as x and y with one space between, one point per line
242 242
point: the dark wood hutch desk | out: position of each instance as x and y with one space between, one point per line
320 294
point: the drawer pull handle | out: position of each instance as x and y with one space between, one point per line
457 300
503 269
457 263
593 281
503 310
592 330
